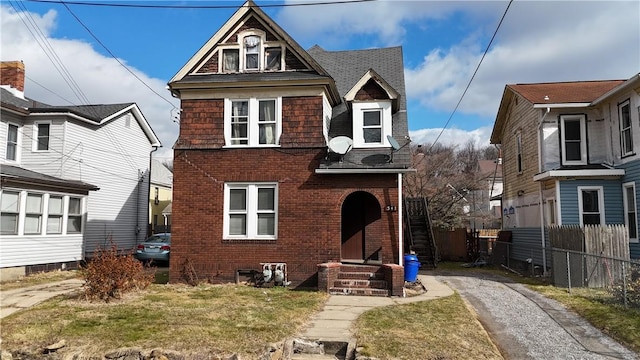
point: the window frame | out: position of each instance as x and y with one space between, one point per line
10 212
628 131
253 122
251 211
582 119
519 163
359 108
34 215
17 143
36 136
263 51
79 215
59 216
625 199
581 212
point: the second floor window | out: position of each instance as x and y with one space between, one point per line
252 122
574 139
371 124
42 136
12 142
626 134
519 166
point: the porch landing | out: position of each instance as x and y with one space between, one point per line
361 280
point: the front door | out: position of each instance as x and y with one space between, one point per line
360 228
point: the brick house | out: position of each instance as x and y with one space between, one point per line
287 156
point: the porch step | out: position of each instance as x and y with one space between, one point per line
363 280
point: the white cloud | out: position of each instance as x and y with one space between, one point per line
451 136
101 79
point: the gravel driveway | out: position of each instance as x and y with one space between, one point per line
527 325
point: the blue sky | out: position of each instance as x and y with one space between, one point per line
539 41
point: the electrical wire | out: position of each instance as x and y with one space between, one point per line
486 50
49 90
196 6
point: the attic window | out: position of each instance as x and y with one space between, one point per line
273 58
230 60
252 52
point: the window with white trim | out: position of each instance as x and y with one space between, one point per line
74 217
372 122
591 205
55 214
252 53
251 211
519 166
630 210
41 136
574 139
551 212
626 131
9 212
33 214
252 122
12 152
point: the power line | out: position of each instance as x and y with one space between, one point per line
113 56
49 90
472 77
195 6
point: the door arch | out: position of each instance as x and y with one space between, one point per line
361 228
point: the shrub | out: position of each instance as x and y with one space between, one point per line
109 274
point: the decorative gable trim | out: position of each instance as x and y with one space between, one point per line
369 77
230 29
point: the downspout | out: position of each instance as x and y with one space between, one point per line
400 218
155 148
540 190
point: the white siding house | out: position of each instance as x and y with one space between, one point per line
99 154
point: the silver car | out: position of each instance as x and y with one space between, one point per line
155 248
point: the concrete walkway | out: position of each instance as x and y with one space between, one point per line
22 298
334 321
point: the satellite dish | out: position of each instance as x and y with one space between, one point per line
393 142
340 145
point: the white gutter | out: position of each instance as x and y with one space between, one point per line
400 232
540 188
561 105
578 173
363 171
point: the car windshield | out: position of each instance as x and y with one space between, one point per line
159 239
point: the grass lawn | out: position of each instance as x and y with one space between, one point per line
437 329
38 279
206 319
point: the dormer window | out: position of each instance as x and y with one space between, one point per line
371 124
252 52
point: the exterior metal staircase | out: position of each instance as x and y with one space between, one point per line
418 232
365 280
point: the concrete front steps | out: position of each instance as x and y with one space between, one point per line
362 280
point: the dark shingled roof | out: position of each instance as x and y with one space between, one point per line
18 174
251 77
347 68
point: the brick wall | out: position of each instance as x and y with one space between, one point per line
309 212
12 73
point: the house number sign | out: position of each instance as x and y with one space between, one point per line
390 208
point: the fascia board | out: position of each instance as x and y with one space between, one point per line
578 173
561 105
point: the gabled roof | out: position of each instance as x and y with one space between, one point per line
17 174
560 94
371 75
92 114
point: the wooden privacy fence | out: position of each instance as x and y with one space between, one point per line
592 256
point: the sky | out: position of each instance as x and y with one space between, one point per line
119 54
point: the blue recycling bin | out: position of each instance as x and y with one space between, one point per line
411 266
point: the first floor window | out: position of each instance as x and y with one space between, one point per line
631 220
251 211
74 220
10 211
54 217
591 206
33 217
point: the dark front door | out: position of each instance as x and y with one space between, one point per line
360 233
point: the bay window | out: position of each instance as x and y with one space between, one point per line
41 137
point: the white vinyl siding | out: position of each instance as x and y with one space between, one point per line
251 211
574 139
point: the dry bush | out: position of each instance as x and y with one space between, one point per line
109 274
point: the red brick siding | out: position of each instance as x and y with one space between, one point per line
309 212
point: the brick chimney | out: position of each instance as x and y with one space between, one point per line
12 74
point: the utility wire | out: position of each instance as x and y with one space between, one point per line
472 77
196 6
113 56
49 90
